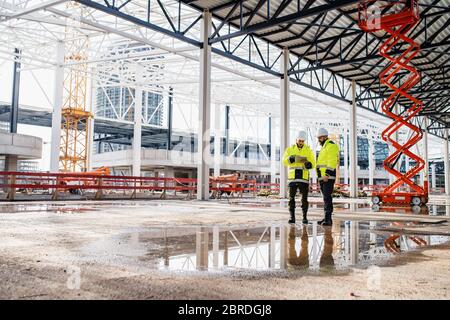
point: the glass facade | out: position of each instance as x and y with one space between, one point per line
114 102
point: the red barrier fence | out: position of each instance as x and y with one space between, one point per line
77 183
80 183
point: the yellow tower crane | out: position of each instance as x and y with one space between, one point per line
76 114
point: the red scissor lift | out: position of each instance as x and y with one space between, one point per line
397 18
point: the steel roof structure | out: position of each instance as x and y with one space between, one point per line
326 35
328 50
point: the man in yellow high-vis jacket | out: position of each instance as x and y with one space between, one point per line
327 162
299 158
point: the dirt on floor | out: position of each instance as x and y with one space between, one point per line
423 274
39 246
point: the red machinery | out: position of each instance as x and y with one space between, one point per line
397 18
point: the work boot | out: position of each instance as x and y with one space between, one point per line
321 222
327 223
292 220
305 219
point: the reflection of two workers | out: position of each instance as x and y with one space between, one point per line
301 260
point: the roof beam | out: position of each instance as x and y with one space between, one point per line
273 22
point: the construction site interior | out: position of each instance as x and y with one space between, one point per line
142 142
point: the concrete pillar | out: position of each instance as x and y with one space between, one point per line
446 164
433 176
137 133
353 146
284 119
11 165
204 153
57 107
346 173
169 172
217 140
372 163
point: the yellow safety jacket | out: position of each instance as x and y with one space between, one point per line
297 171
328 160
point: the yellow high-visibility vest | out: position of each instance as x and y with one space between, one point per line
297 171
328 160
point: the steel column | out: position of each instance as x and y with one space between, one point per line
354 242
217 140
14 115
169 119
273 152
227 131
137 132
353 146
204 153
284 119
57 107
346 173
216 243
91 123
446 164
202 242
372 163
426 171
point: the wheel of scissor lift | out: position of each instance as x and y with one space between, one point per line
375 207
416 201
376 200
416 209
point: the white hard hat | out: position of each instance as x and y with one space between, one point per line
322 132
302 135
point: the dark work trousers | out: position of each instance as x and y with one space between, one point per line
327 190
304 189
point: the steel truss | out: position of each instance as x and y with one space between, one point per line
311 60
246 35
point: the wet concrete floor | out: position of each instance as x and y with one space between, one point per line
258 248
218 246
177 241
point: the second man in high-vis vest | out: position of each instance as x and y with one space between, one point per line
299 158
327 162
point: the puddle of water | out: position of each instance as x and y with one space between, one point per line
431 209
258 248
39 208
313 204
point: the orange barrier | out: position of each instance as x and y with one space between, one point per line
77 183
